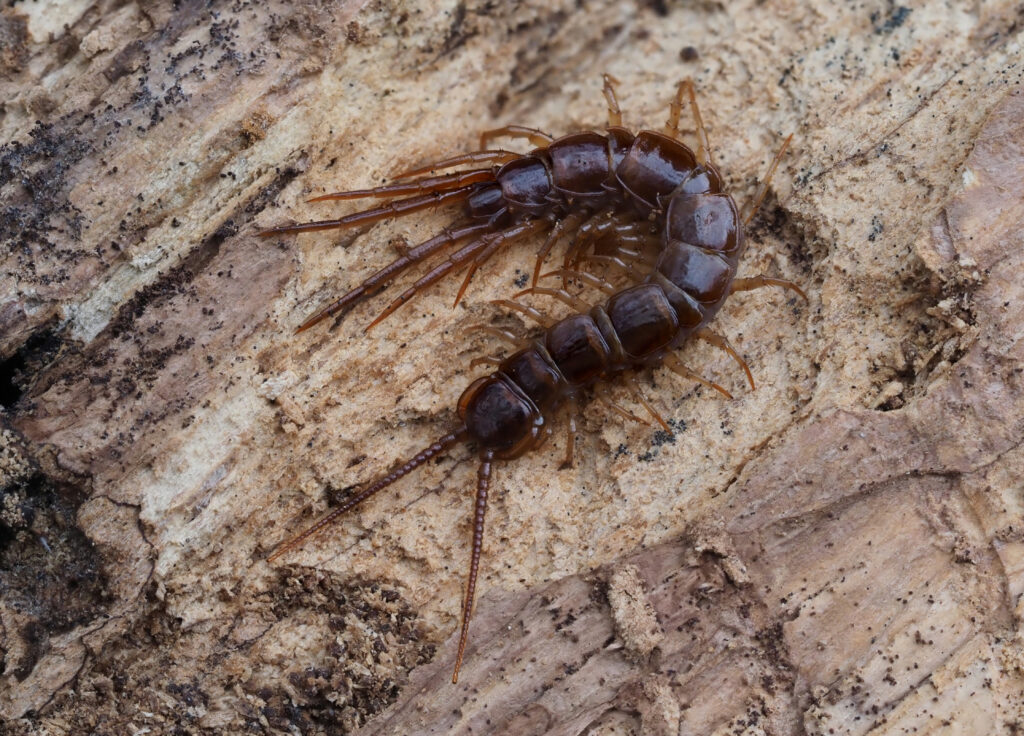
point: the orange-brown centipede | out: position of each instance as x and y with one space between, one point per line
644 204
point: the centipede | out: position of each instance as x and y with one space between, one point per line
645 206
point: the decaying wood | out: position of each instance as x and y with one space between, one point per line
837 552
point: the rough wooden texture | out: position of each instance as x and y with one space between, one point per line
837 552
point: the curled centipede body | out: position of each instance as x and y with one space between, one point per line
645 205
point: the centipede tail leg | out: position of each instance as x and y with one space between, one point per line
537 137
719 341
756 282
483 482
391 209
481 258
376 282
456 260
420 186
496 156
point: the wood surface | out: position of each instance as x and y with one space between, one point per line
840 551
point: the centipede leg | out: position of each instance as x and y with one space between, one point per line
537 137
675 110
617 262
536 315
676 366
420 186
636 258
646 248
586 277
617 228
560 294
570 440
560 227
586 233
763 189
614 112
756 282
618 408
479 512
719 341
376 282
457 259
501 334
482 258
638 394
478 261
703 145
391 209
485 360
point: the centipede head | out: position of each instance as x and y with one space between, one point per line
500 417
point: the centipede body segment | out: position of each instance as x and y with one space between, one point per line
643 206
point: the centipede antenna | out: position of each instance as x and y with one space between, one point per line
435 449
419 186
763 189
483 481
497 156
391 209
